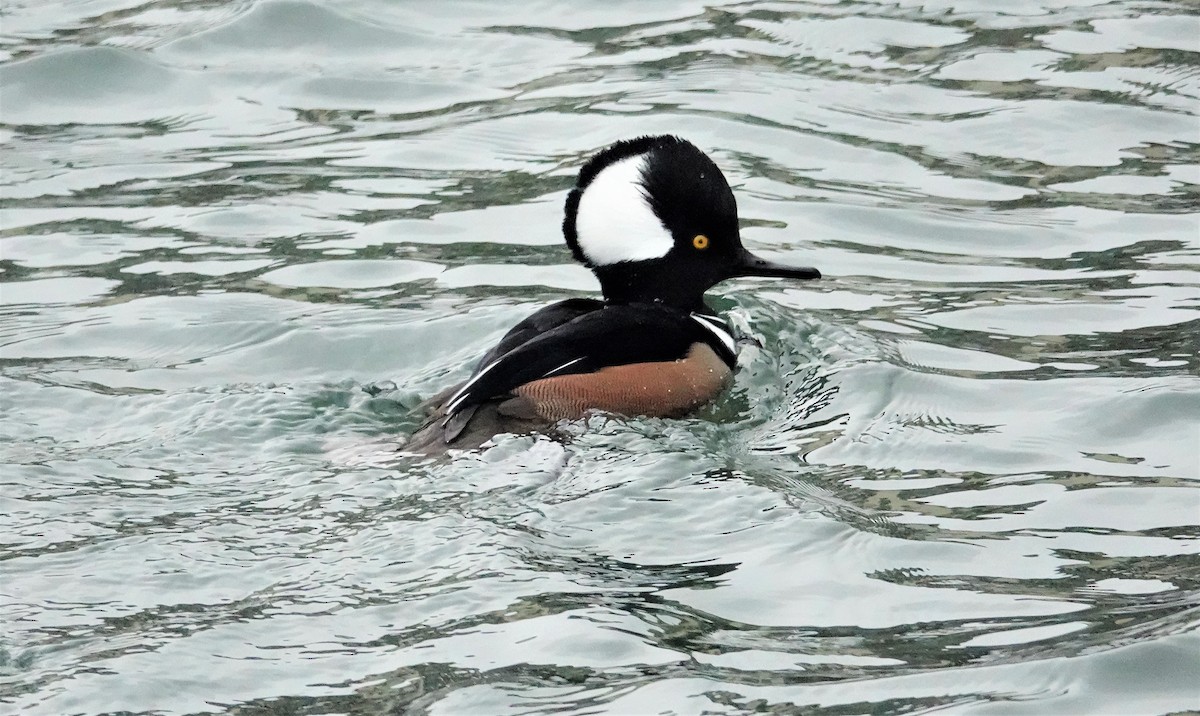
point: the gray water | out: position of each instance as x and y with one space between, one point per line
242 240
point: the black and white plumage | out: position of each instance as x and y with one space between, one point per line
656 221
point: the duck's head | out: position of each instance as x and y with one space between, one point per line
655 220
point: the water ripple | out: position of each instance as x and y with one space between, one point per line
241 242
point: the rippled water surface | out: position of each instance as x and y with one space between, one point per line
242 240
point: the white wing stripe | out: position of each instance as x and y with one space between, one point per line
452 404
564 366
718 328
456 400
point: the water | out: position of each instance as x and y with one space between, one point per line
242 240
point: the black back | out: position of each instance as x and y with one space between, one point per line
610 335
570 337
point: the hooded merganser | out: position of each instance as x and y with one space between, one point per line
656 222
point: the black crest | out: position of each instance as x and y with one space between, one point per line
678 179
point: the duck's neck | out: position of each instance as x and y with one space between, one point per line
633 285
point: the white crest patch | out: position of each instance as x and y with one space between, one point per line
614 221
718 328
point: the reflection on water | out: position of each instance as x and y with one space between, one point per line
240 241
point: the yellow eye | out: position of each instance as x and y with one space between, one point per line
700 242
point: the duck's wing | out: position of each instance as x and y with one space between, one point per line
614 335
541 321
441 428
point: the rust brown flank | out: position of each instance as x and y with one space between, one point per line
662 389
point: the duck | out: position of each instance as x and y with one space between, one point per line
656 222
